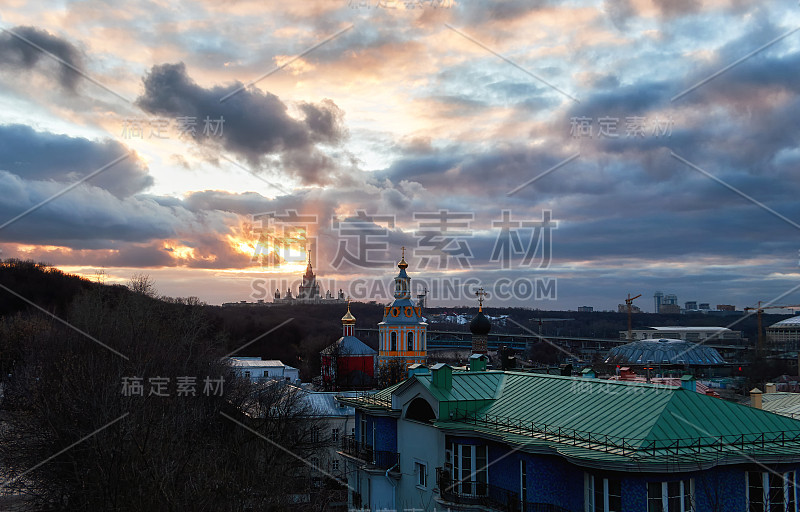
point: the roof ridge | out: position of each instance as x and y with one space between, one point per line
595 380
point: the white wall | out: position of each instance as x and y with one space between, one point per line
424 443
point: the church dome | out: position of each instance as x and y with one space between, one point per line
348 318
480 324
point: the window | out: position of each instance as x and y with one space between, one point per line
335 465
394 342
363 432
523 484
470 469
410 341
673 496
335 434
603 494
771 492
421 471
247 375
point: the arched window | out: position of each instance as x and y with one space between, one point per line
420 410
410 341
394 342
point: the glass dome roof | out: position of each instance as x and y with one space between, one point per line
664 351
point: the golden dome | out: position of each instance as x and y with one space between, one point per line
348 318
403 264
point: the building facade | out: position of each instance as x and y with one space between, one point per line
509 441
256 369
716 335
785 334
402 334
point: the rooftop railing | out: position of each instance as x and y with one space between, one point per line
632 446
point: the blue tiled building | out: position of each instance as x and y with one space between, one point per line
510 441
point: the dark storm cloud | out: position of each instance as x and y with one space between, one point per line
19 53
256 125
36 155
417 168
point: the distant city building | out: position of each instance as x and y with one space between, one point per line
585 309
726 307
785 334
720 335
658 297
704 305
690 305
348 363
255 369
402 333
669 309
309 291
623 308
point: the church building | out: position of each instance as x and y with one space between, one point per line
349 363
402 333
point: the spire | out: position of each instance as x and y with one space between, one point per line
348 318
481 295
348 321
402 283
402 264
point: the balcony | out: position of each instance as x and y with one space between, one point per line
486 496
373 459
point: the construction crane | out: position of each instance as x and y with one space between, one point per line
629 303
759 309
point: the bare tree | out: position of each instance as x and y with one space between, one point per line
75 436
144 284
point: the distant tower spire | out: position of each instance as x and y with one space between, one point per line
480 326
481 295
348 321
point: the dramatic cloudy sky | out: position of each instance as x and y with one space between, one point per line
662 135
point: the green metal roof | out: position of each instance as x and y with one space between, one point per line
606 421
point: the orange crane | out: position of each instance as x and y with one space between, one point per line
759 309
629 302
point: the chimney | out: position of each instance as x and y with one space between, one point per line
689 383
755 398
770 387
418 369
442 376
477 363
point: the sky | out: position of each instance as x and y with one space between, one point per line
557 154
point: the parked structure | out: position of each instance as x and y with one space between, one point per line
509 441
